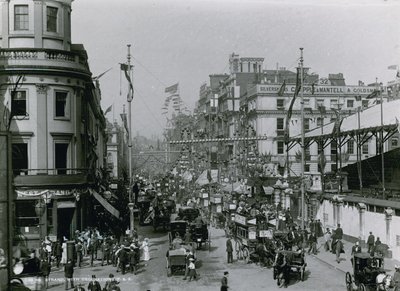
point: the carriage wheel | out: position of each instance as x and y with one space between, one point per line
362 287
348 281
246 255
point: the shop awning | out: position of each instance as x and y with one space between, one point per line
105 203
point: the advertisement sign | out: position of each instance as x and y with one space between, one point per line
266 233
204 195
240 219
219 208
205 203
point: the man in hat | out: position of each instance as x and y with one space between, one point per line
224 281
229 250
370 242
327 238
396 278
69 274
111 284
355 249
94 285
192 270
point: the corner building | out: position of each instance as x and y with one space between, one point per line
52 109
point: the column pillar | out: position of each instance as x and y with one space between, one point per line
361 209
388 218
42 136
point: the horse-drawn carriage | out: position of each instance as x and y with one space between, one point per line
198 233
176 259
289 262
368 273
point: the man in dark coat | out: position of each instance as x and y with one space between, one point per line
370 242
123 259
229 250
45 269
69 274
94 285
58 252
224 281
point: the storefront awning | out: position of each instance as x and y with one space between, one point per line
105 203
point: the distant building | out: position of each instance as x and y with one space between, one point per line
52 108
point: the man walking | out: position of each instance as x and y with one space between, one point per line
370 242
327 238
69 274
338 249
224 281
229 250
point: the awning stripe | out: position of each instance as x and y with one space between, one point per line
105 203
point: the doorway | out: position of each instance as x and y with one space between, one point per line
64 222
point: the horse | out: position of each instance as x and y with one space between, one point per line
383 281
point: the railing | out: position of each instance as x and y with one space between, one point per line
60 171
43 55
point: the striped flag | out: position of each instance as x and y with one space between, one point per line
126 69
282 88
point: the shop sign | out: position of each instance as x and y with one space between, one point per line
114 186
205 203
216 200
240 219
204 195
265 233
219 209
232 206
252 221
252 235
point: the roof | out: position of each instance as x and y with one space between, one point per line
370 120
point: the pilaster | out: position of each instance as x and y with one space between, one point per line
42 130
388 217
361 209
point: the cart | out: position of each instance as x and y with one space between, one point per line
177 227
176 260
295 262
201 235
368 273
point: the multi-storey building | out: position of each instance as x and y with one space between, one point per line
52 108
252 102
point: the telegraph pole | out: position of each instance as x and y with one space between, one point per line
302 138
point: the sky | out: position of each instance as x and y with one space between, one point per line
187 40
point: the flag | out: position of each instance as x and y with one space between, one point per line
209 178
125 121
107 110
373 94
171 90
338 122
126 68
282 88
393 67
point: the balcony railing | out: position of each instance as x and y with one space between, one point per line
50 172
43 57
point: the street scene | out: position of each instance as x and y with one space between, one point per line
199 145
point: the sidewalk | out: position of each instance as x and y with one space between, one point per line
345 259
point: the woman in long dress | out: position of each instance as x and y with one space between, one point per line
145 248
64 252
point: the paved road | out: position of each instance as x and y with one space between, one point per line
211 265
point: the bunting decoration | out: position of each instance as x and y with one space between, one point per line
373 94
173 98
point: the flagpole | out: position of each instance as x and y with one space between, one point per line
382 146
302 139
129 99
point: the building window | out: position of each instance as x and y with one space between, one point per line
320 103
306 123
61 104
19 158
21 17
26 215
307 153
280 103
320 121
61 155
395 142
365 148
364 103
281 148
350 147
52 19
279 123
350 103
18 103
306 168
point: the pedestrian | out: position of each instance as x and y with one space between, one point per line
145 249
64 251
312 240
378 247
79 253
111 284
79 287
224 281
339 232
327 238
229 250
69 274
45 269
123 259
370 242
94 285
105 249
396 278
318 229
58 252
132 258
338 249
188 236
192 270
189 255
354 250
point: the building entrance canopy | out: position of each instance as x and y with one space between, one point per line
370 122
